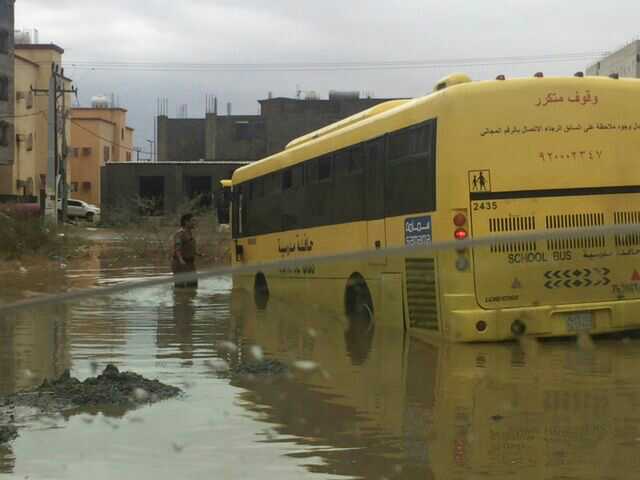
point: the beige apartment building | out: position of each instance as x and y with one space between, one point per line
99 135
24 177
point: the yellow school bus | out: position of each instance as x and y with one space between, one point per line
472 160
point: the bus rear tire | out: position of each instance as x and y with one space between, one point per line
357 298
261 291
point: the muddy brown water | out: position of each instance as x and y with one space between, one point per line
372 403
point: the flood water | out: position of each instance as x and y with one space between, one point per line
353 404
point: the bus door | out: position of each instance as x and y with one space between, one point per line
374 199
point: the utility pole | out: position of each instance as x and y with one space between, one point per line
56 186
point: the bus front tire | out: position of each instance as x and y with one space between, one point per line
261 291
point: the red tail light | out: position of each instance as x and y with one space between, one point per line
460 234
459 220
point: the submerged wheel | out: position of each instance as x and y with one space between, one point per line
261 291
357 298
359 309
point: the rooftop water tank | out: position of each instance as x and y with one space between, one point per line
100 101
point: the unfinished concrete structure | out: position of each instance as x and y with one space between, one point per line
251 137
160 188
624 62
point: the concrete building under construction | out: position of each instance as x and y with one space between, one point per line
251 137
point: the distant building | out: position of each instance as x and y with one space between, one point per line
160 187
251 137
625 62
6 82
24 177
99 135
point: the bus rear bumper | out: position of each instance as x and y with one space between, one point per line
478 325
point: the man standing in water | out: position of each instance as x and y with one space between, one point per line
184 251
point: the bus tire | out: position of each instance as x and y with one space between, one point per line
261 291
358 302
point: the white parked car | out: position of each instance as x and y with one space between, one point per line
80 209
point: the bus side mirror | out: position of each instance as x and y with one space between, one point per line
222 201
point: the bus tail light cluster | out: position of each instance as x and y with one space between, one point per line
461 233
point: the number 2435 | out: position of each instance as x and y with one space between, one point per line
485 206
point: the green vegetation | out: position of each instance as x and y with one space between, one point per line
31 236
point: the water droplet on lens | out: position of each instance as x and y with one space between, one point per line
227 346
217 365
256 353
305 365
177 448
584 341
140 394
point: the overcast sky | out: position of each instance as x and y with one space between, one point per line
257 31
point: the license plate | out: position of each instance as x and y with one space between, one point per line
579 321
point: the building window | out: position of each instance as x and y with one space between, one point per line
243 131
86 186
4 134
30 142
86 151
106 154
74 187
4 88
122 134
75 152
29 100
4 41
128 156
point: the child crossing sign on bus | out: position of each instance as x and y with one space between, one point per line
480 181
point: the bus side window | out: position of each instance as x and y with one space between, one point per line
319 194
374 173
325 168
293 198
311 171
356 160
410 171
349 186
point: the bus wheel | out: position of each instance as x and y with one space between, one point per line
357 299
261 291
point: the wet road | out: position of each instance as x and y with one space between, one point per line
367 403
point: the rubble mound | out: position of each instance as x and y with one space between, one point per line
112 387
67 395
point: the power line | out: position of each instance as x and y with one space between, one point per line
330 66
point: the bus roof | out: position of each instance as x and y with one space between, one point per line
356 129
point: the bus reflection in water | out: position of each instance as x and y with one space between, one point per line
406 408
473 160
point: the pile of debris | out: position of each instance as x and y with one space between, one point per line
111 388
